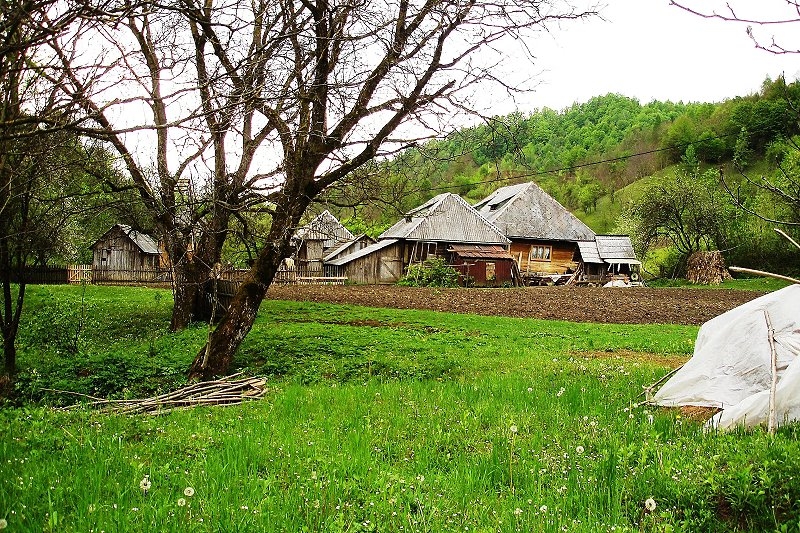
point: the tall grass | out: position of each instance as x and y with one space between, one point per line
381 420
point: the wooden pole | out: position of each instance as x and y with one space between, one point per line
762 273
774 367
782 233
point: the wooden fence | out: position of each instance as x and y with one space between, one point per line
76 274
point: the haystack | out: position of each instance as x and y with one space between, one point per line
707 268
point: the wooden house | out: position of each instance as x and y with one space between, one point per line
317 239
607 258
543 233
430 230
123 253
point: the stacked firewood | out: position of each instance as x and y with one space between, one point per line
707 268
226 391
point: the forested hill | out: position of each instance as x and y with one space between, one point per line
587 151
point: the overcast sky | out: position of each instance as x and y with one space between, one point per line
650 50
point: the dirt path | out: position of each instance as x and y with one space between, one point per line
576 304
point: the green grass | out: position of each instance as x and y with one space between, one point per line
377 420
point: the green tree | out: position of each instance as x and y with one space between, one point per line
688 209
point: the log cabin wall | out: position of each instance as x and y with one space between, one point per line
546 257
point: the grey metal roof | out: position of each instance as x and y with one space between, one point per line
336 250
613 248
339 261
324 227
525 211
589 252
145 242
445 218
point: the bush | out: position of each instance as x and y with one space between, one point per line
433 272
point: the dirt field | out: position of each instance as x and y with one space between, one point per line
576 304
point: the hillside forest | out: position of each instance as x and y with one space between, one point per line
678 177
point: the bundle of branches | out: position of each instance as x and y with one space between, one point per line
226 391
707 268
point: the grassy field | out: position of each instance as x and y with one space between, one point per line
375 420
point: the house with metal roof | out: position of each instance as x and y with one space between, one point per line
543 233
317 239
429 230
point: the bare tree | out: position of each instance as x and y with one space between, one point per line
344 78
270 103
782 14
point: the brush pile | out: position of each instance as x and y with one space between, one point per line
226 391
707 268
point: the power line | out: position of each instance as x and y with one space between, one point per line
582 165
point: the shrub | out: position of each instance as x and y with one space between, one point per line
433 272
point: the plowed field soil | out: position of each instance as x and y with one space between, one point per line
575 304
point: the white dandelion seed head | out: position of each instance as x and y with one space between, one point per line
579 450
181 502
517 511
543 509
3 523
514 429
145 484
188 491
650 505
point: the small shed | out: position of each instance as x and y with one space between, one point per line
606 258
381 262
483 265
123 248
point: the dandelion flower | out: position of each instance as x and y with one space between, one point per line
514 429
650 505
188 492
145 484
543 509
181 502
579 449
517 511
3 523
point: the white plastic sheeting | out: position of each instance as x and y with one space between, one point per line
731 366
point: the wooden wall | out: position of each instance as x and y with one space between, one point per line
478 269
384 266
118 252
561 257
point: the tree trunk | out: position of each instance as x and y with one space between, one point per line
9 353
189 279
215 358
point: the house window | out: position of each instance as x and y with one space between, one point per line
540 253
430 249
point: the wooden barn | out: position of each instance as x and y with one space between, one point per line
430 230
543 233
606 258
316 239
123 253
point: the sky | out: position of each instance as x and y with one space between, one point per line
650 50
